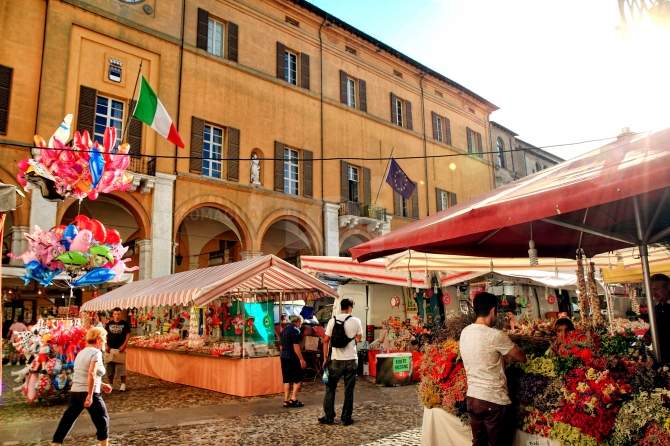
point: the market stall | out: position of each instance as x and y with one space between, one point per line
212 328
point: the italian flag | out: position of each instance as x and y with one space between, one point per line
150 111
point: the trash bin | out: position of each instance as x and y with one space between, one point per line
394 369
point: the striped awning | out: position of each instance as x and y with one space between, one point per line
372 271
201 286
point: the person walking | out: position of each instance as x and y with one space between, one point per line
86 389
292 362
660 291
484 350
342 333
118 334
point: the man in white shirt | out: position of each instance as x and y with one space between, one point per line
343 331
484 350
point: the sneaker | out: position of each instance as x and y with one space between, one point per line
324 420
347 422
123 387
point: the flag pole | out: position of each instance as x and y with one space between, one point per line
386 171
130 112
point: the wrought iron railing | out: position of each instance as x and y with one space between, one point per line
143 164
362 210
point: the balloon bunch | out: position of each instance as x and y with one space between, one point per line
82 253
83 169
49 357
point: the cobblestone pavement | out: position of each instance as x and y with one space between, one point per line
154 412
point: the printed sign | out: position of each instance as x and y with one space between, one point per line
402 364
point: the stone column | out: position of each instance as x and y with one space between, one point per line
331 229
19 243
144 247
161 225
42 212
386 227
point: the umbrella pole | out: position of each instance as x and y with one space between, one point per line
244 326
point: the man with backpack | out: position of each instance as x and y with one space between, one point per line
342 333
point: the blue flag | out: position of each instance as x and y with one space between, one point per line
399 181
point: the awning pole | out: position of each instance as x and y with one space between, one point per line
646 274
244 325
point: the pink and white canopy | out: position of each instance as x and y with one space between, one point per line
201 286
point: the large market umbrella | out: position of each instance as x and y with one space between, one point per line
613 197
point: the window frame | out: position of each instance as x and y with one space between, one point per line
109 119
208 162
211 36
354 171
500 147
287 66
439 131
399 112
352 87
291 171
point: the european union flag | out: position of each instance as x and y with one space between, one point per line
399 181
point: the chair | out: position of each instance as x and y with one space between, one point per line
312 354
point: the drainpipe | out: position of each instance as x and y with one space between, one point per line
323 202
176 149
39 85
425 148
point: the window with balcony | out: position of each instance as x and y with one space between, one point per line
291 67
108 113
354 182
291 172
212 149
500 147
215 33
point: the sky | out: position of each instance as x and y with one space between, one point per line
559 71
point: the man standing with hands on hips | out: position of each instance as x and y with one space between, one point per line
342 333
118 334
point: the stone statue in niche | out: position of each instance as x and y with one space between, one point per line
255 170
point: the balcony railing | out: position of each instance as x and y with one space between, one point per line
143 164
362 210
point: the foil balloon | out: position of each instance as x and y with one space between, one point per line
69 233
96 164
113 237
95 276
99 231
82 241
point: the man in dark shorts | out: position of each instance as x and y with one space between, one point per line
118 334
292 362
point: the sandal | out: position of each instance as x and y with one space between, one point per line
287 404
296 403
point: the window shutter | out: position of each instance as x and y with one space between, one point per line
134 132
5 93
438 196
367 191
469 135
280 64
397 204
479 143
86 112
203 19
452 199
307 171
233 154
304 71
408 112
362 95
434 118
279 167
232 38
197 135
447 131
415 201
394 115
344 181
343 87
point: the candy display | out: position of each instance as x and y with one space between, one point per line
50 354
82 253
83 169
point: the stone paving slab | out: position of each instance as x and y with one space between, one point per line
411 437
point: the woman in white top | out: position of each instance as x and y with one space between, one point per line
86 386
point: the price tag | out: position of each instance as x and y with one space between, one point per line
401 364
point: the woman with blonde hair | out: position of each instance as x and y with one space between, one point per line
86 387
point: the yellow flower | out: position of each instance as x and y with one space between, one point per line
582 387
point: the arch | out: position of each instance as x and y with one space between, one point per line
297 217
352 238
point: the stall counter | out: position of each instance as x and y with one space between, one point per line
232 376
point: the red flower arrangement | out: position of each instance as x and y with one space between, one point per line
443 377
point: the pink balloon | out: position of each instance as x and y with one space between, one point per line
82 241
119 268
23 165
21 179
93 195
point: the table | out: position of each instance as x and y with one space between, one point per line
233 376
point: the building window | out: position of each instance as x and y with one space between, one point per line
437 124
115 70
351 92
108 113
211 151
538 167
354 181
215 37
291 67
474 142
397 104
405 207
445 199
500 146
291 172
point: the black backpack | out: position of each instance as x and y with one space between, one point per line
339 338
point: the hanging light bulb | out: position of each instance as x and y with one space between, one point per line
532 253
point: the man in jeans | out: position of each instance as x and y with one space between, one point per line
343 364
484 350
118 334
